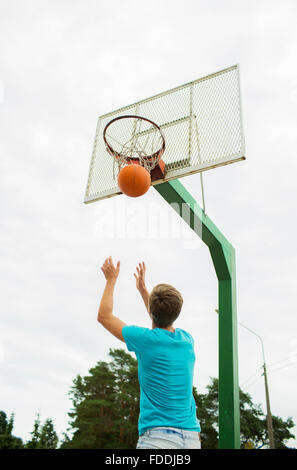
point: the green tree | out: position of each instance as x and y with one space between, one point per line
3 422
34 442
207 412
7 440
105 405
124 368
91 415
253 425
44 435
48 436
281 430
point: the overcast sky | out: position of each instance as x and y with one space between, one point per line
64 63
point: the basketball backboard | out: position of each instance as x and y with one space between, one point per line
201 122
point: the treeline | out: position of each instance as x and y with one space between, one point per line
43 435
105 412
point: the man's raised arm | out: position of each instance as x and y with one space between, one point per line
105 316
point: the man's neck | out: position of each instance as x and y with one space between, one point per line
169 328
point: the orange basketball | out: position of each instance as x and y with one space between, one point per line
134 180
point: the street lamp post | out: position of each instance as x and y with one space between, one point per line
269 417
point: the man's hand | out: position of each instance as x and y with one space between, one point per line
109 270
140 284
140 276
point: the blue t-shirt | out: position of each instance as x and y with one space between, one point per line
165 372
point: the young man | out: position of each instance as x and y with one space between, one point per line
166 359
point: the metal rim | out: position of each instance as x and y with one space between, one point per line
158 154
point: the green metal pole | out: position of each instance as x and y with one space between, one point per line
223 257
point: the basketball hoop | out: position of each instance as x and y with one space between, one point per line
134 139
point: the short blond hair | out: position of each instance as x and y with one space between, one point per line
165 304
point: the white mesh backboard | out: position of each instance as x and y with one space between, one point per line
201 122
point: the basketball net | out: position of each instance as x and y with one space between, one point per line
134 140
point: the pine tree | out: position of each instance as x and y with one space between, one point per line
92 415
124 367
105 405
48 436
7 440
34 442
43 436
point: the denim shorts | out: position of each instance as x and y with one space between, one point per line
169 438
